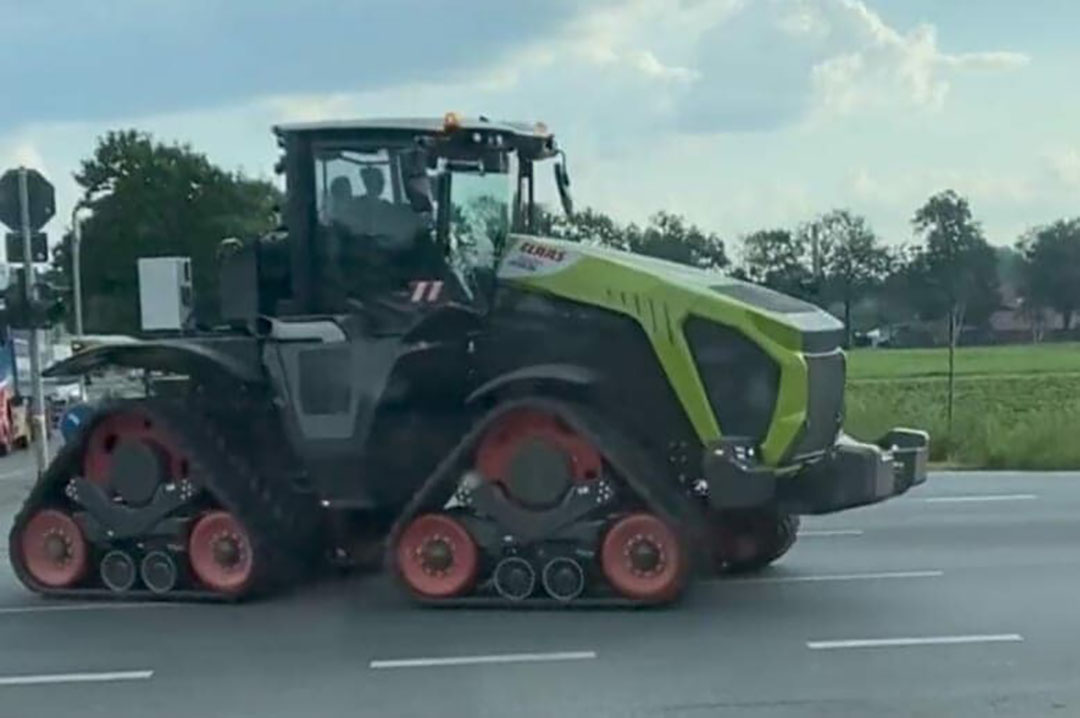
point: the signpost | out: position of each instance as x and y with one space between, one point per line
27 203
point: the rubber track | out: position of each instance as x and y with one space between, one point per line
648 480
282 524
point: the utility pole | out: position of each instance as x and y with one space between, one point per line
76 267
37 414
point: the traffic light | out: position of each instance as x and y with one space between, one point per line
44 309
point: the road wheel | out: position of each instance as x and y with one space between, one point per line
221 553
745 542
643 559
436 557
53 549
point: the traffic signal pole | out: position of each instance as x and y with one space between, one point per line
37 413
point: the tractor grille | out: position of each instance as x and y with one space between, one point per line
741 380
825 402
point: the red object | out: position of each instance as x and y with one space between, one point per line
643 532
127 425
53 549
437 557
501 442
221 554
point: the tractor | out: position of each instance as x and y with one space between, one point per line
407 372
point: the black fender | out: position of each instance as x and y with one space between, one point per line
527 379
200 362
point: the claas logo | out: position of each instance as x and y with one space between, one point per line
536 250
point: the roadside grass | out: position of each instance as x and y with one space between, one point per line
1012 359
1016 407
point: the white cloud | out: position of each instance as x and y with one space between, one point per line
740 114
1064 166
870 64
21 152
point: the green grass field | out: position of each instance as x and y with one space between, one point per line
1016 406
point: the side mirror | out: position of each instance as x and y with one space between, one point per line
562 181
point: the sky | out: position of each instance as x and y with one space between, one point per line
738 114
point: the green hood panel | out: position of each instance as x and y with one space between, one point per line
661 295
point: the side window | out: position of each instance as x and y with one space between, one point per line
350 186
369 239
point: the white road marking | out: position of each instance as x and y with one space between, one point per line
920 641
840 577
813 533
76 678
978 499
103 606
477 660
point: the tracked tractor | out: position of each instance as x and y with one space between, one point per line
408 370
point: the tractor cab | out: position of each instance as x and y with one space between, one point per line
392 218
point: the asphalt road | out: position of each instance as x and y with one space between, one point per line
957 600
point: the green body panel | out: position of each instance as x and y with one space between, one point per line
660 296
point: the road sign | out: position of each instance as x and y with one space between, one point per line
41 196
39 247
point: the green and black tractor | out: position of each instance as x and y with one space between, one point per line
407 369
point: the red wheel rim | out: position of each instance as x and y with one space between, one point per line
499 444
642 558
220 553
127 425
53 549
437 557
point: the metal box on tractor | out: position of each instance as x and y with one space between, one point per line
406 369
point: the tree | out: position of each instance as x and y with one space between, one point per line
669 236
957 268
849 261
152 199
1051 269
666 236
777 259
585 225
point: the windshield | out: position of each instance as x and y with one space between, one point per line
479 220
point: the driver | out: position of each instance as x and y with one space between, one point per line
374 182
392 227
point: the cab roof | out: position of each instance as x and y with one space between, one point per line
418 124
534 137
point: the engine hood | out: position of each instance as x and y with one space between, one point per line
551 263
666 298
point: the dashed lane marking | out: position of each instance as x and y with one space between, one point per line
816 533
915 641
974 499
104 677
488 659
883 575
69 607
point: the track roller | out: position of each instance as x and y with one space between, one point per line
515 578
643 559
53 549
117 570
437 557
563 579
221 553
159 572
